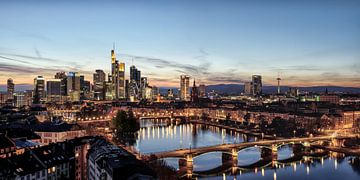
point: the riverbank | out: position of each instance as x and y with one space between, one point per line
346 151
243 131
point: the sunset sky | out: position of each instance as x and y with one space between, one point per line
307 42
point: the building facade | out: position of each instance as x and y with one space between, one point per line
184 87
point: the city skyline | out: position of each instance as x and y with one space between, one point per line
308 43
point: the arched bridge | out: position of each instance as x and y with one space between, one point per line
235 148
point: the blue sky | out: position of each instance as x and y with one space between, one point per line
306 42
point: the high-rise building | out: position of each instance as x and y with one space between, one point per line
127 89
194 93
10 89
256 85
53 90
248 88
39 90
22 98
85 88
202 90
135 83
155 92
99 84
19 99
63 77
184 88
143 85
135 75
294 91
121 80
73 86
117 77
3 99
114 76
148 93
60 75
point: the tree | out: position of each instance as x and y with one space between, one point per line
125 122
284 128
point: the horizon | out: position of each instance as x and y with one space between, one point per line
307 43
25 87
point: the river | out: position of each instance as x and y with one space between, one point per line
157 136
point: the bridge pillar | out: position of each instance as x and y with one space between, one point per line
234 153
337 142
307 144
189 159
274 152
189 166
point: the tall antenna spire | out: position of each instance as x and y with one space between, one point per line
278 86
114 46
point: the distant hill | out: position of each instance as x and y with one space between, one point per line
235 89
238 88
18 87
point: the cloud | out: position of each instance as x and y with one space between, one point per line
297 68
355 67
15 60
12 68
203 55
32 57
179 67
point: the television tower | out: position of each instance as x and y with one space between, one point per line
278 86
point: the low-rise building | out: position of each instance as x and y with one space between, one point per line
57 132
107 161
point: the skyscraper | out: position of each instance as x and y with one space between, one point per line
39 90
99 84
62 76
248 88
117 77
135 75
10 89
135 83
256 85
184 88
202 90
121 80
194 93
84 88
143 85
73 86
53 90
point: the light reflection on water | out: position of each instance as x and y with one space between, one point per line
158 137
161 137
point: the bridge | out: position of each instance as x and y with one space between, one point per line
235 148
268 150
